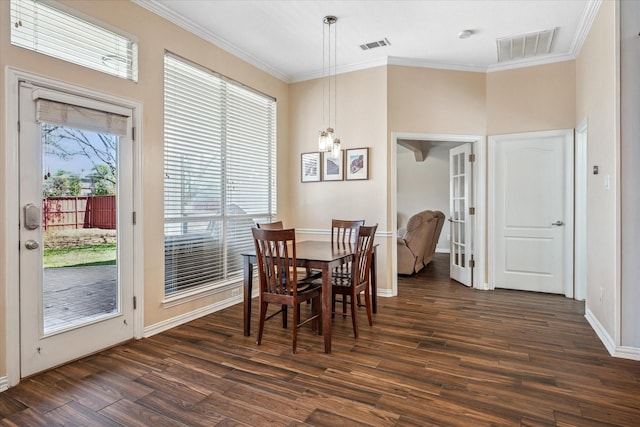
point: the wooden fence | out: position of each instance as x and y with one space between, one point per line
61 213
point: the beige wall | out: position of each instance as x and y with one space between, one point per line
426 100
531 99
154 35
596 102
362 116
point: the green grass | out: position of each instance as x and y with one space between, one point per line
80 256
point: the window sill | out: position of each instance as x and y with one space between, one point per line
201 292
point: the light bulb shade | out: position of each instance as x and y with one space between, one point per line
330 138
325 140
322 141
335 148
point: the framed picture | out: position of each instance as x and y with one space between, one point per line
332 167
310 167
358 163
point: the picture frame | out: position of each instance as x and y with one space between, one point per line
333 167
310 167
357 163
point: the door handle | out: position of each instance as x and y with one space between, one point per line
558 223
31 244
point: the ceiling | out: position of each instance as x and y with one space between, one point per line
284 37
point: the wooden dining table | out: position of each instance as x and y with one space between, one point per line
318 255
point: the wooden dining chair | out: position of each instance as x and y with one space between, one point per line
343 232
309 273
351 286
277 271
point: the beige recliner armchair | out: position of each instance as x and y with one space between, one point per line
417 243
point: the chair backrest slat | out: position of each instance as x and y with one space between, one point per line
344 231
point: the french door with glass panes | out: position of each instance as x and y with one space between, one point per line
76 231
461 232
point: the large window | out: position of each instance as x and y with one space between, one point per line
52 31
219 174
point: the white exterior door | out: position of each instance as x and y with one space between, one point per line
531 211
460 222
76 232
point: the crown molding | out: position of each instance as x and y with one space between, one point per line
530 62
421 63
341 69
156 7
590 12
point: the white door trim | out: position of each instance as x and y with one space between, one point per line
10 242
580 237
569 220
479 183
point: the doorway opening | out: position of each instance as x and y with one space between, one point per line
432 192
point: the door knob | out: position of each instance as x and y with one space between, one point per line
558 223
31 244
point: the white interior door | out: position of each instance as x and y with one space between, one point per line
532 204
76 232
460 223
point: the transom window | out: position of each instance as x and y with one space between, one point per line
219 165
59 33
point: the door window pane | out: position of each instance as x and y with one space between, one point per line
79 211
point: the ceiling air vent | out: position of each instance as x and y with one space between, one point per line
525 45
373 45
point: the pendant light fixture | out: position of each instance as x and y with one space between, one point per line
327 139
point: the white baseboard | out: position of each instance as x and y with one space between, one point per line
192 315
632 353
623 352
4 383
443 250
602 333
385 293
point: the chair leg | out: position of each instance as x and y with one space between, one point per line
284 316
316 304
344 305
367 303
263 316
354 314
296 321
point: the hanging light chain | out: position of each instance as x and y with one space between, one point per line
327 140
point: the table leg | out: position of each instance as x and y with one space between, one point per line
374 282
248 287
326 307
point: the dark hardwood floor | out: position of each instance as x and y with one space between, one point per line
439 354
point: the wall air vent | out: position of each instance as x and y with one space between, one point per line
525 45
373 45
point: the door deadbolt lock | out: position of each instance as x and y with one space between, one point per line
31 216
31 244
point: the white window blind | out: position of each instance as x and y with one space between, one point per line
51 31
219 166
